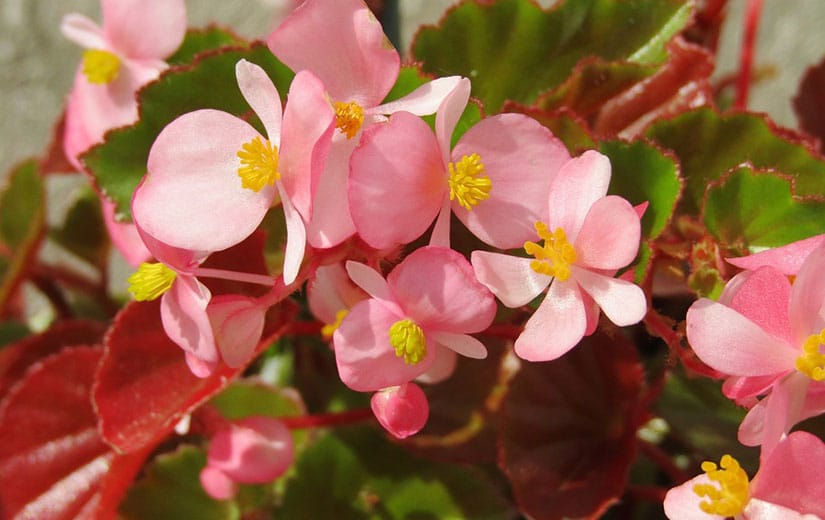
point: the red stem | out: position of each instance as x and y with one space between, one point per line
752 14
322 420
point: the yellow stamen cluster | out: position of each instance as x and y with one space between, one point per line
467 181
259 164
812 361
150 281
100 67
731 495
329 329
348 118
555 256
408 340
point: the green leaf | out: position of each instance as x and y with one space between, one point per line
202 40
84 232
120 162
171 490
513 50
709 144
749 208
22 219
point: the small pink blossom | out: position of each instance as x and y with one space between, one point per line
330 295
415 322
401 410
587 237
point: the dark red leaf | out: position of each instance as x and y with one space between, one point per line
568 429
809 103
16 358
53 463
144 386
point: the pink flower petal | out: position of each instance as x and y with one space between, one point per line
422 101
199 367
557 325
259 92
448 115
510 278
624 303
192 197
401 410
83 31
217 484
441 369
365 357
309 122
762 510
580 183
462 344
237 322
440 236
521 158
369 280
397 181
256 450
609 236
727 341
682 503
124 236
808 295
331 221
763 297
331 291
296 238
787 259
184 318
437 288
144 29
349 51
752 427
180 260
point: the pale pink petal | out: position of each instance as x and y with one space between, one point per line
440 236
397 181
557 325
401 410
783 410
682 503
744 389
348 49
365 357
237 323
217 484
794 475
763 296
441 369
510 278
521 158
184 318
437 288
592 310
787 259
309 122
609 236
808 295
256 450
259 92
580 183
124 236
192 197
180 260
83 31
331 291
369 280
623 302
331 221
448 115
727 341
462 344
199 367
296 238
144 29
422 101
761 510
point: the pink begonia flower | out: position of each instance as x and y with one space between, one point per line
767 336
120 57
353 58
415 321
787 259
237 324
331 295
790 485
495 180
255 450
212 177
401 410
587 237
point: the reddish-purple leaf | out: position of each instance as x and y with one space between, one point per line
144 386
568 429
53 462
809 102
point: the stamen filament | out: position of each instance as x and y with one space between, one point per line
259 164
408 340
812 361
348 118
730 496
555 257
150 281
467 181
100 67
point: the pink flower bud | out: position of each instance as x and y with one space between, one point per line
401 410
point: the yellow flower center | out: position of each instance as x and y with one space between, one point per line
259 164
348 118
812 361
150 281
555 256
408 340
328 330
730 496
100 67
468 184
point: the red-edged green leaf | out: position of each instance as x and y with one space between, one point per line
751 208
513 50
709 144
568 429
16 358
22 220
197 41
53 463
809 102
